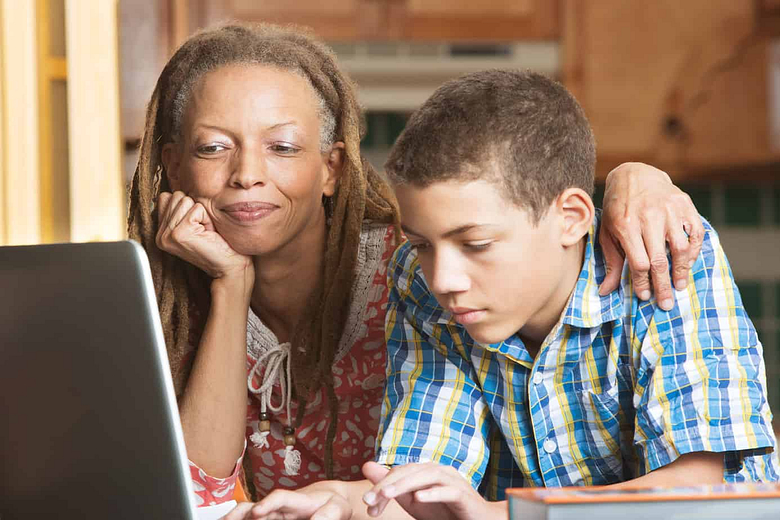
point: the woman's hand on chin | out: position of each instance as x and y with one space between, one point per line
186 230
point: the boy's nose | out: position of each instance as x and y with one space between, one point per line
448 276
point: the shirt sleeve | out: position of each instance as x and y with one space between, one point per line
210 491
433 409
700 376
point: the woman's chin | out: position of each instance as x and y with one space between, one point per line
249 247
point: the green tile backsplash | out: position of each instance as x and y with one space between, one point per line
743 206
702 198
752 298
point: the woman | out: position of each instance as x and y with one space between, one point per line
268 246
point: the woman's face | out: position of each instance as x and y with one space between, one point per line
250 152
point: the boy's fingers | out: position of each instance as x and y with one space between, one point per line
423 478
374 471
440 494
613 259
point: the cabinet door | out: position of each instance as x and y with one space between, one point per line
489 20
680 84
338 20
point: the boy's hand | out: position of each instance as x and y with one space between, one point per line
185 230
428 491
643 211
294 505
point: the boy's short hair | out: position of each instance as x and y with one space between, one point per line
526 124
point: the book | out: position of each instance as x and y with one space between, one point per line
744 501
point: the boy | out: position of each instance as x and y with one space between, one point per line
505 366
504 361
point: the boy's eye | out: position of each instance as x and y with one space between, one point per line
420 246
479 245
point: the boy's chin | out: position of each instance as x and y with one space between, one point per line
488 335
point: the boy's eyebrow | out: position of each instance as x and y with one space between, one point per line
456 231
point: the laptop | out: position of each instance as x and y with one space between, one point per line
89 426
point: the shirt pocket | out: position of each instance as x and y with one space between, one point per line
602 435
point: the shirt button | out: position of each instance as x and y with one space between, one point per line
538 378
549 445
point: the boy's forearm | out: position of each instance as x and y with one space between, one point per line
692 469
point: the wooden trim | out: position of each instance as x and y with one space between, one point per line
50 68
20 159
180 22
97 193
56 68
3 130
45 125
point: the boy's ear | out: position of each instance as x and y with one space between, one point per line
577 211
334 166
171 159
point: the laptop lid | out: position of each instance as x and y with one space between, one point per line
89 426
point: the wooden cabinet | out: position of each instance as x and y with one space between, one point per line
341 20
680 85
417 20
687 86
464 20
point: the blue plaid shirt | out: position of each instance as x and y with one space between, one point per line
619 387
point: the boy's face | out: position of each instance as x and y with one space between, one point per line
485 260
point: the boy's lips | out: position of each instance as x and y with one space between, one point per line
467 316
249 211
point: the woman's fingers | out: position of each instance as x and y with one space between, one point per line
178 213
294 505
240 512
654 236
336 508
629 234
685 233
613 261
680 248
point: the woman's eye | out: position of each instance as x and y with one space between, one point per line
210 149
284 149
479 246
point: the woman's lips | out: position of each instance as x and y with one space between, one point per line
249 211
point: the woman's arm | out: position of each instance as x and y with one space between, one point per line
643 213
213 406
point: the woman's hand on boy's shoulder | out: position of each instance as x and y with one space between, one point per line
427 491
643 212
